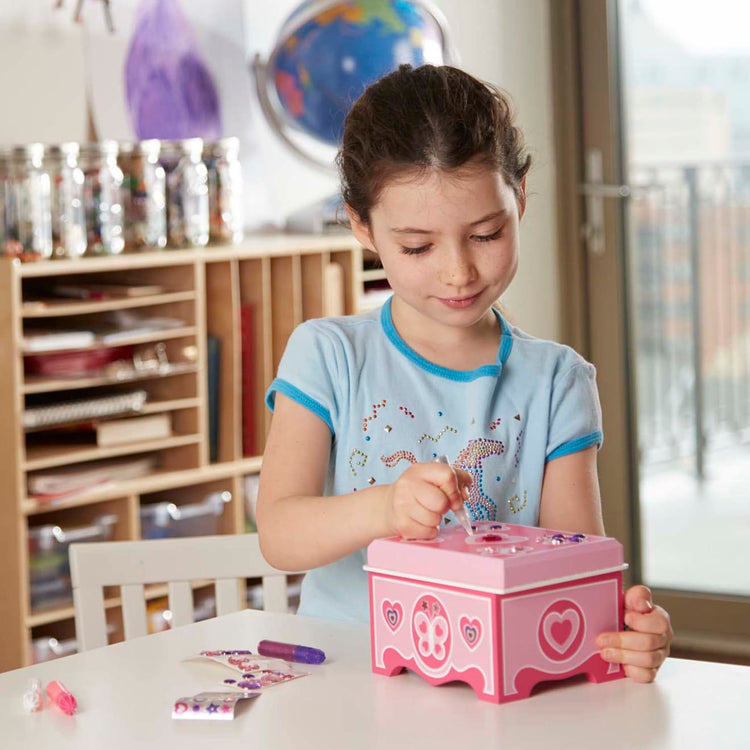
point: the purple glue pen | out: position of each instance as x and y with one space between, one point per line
290 652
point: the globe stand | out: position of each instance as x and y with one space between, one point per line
326 216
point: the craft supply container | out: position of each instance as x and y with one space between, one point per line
502 610
187 193
49 570
168 519
28 232
226 216
144 196
103 198
67 216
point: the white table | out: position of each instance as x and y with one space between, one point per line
125 694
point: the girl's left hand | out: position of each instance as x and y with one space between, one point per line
643 648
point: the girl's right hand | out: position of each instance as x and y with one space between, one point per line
418 499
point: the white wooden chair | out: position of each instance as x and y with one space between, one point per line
224 559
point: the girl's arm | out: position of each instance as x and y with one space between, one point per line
570 494
300 528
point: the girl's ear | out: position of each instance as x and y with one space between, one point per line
360 230
522 199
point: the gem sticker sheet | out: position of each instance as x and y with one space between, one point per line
209 706
255 672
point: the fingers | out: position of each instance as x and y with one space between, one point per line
638 598
642 649
656 621
640 674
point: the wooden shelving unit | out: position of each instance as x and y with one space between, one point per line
286 279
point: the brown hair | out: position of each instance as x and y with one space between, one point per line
426 118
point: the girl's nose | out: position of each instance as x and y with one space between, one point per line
458 268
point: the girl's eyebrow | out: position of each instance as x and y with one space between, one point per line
415 230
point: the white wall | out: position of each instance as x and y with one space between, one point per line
42 55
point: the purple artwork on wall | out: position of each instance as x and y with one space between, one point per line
170 91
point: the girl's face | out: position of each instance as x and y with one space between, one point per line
448 242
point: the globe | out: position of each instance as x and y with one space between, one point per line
329 51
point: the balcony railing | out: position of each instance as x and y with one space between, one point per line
689 267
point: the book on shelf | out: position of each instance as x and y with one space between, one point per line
133 429
51 339
248 379
67 481
213 356
83 409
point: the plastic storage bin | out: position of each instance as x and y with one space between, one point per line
167 519
49 569
46 649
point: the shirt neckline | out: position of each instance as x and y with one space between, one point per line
464 376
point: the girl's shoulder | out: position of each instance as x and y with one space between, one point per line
536 352
341 327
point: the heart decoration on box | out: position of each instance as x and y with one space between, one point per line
393 613
561 630
471 630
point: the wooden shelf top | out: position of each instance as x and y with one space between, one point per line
43 384
253 246
55 308
61 453
161 480
66 612
126 340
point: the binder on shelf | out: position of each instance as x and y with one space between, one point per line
83 410
62 483
248 379
133 429
213 356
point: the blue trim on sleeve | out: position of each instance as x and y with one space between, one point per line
579 444
294 393
461 376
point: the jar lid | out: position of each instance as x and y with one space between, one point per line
101 148
229 145
192 146
32 151
149 147
58 150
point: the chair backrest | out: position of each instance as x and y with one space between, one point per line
225 559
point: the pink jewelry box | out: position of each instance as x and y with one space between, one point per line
502 610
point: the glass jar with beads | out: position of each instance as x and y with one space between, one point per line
28 234
103 198
187 193
144 196
225 190
67 216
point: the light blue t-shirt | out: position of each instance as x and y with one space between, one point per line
387 406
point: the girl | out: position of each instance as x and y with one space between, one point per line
434 179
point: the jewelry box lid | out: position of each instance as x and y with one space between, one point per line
498 557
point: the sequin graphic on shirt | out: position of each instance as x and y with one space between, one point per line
357 458
394 458
375 408
471 459
440 434
516 504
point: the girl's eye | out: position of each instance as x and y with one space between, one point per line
414 250
488 237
